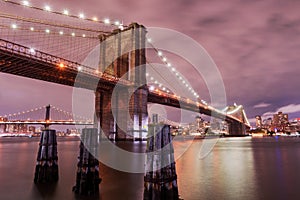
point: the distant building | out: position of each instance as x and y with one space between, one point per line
267 123
280 121
31 129
3 126
258 121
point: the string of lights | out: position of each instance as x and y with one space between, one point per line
172 68
48 23
69 113
48 31
65 12
24 112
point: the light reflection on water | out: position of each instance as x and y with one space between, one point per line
236 168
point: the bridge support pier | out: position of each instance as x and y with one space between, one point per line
87 177
160 181
46 169
236 129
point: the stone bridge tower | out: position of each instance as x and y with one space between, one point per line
121 110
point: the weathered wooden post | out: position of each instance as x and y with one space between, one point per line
87 177
160 181
46 169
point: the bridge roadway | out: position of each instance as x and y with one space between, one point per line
22 61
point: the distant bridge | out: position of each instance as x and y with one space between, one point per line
41 116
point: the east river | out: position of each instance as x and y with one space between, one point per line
235 168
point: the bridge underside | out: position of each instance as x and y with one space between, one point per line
25 66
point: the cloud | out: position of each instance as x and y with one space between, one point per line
261 105
288 109
292 108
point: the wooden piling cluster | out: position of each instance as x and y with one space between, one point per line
87 177
160 181
46 169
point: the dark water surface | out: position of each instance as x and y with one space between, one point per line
237 168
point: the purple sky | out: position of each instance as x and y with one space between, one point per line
255 45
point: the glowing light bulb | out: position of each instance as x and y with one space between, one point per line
47 31
25 3
152 88
164 59
47 8
79 68
61 32
159 53
106 21
117 23
83 35
31 28
73 34
31 50
14 26
81 15
169 64
149 40
95 19
66 12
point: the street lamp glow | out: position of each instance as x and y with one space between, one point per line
61 65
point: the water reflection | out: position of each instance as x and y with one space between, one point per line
237 168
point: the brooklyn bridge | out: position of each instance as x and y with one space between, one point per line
54 47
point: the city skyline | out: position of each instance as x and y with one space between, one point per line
254 45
